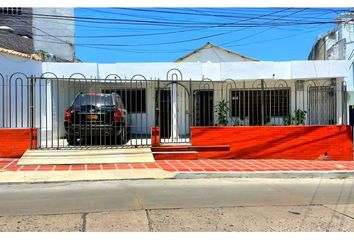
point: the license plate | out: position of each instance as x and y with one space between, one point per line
91 117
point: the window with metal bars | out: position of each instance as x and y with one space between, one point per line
11 10
248 104
134 100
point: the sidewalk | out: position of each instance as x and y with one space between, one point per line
161 169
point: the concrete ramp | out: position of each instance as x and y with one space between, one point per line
87 156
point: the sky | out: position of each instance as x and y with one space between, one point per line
111 35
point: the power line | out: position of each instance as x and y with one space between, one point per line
170 23
199 12
198 38
273 39
156 33
252 35
161 33
115 47
174 42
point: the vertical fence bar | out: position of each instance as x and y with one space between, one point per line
52 113
262 101
58 113
31 108
40 111
157 107
46 113
2 85
344 103
190 110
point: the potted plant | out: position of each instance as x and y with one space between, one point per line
236 122
222 112
288 120
299 119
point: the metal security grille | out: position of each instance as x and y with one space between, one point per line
322 107
203 107
78 112
247 105
134 99
11 10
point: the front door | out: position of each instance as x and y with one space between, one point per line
165 113
203 107
322 105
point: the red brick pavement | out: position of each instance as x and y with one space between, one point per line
236 165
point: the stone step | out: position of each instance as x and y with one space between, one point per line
87 156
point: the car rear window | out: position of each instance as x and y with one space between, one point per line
96 100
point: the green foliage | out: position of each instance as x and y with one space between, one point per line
235 122
299 119
288 120
222 112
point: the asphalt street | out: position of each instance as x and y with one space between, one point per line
98 196
180 205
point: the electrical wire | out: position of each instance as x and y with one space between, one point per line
168 23
250 22
269 28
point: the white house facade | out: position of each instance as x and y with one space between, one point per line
176 96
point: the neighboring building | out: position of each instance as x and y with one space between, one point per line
17 19
212 53
35 30
54 36
16 91
337 44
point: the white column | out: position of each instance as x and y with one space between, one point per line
174 127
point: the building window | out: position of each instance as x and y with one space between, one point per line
247 104
134 100
11 11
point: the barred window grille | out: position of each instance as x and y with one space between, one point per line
11 11
248 104
133 99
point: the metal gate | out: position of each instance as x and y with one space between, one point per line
175 105
80 112
173 108
322 99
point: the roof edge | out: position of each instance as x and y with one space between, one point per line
208 44
34 57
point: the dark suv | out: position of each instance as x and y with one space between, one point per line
95 115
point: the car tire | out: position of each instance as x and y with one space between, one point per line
128 133
112 140
71 140
124 136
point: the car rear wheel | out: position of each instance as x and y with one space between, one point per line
71 140
124 136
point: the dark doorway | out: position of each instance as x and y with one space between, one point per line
165 113
203 107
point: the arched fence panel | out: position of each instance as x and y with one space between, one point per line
113 111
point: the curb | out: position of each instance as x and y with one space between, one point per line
107 175
277 174
77 176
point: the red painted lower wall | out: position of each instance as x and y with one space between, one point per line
276 142
15 141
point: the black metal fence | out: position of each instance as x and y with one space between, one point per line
73 112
